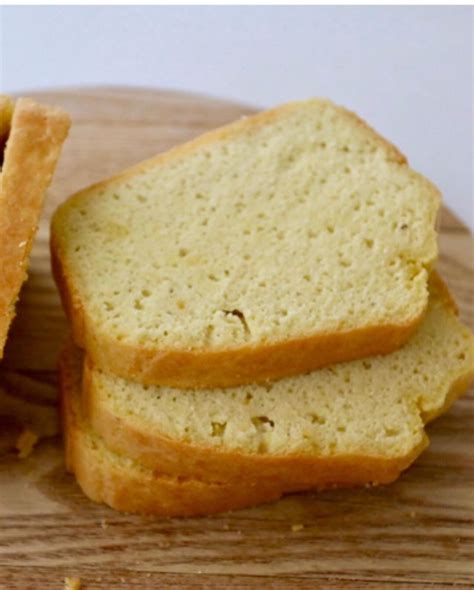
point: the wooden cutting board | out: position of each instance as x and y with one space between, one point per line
416 533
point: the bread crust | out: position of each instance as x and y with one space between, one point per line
225 367
149 494
36 135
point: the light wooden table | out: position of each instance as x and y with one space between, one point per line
416 533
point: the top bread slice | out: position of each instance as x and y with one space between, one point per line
356 422
284 242
31 137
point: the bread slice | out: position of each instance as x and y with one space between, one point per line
34 135
353 423
287 241
127 486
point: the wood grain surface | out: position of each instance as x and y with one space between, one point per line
416 533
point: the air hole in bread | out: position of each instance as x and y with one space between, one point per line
317 419
218 428
240 315
263 423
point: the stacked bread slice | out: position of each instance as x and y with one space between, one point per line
254 313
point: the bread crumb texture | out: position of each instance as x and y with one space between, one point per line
250 235
371 407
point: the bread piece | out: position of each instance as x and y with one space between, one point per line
125 485
287 241
357 422
34 136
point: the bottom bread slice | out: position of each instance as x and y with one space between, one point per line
352 423
125 485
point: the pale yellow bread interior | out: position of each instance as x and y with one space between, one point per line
279 244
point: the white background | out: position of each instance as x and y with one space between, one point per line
407 70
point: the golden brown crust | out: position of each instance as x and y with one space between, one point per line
35 139
220 368
143 492
233 366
